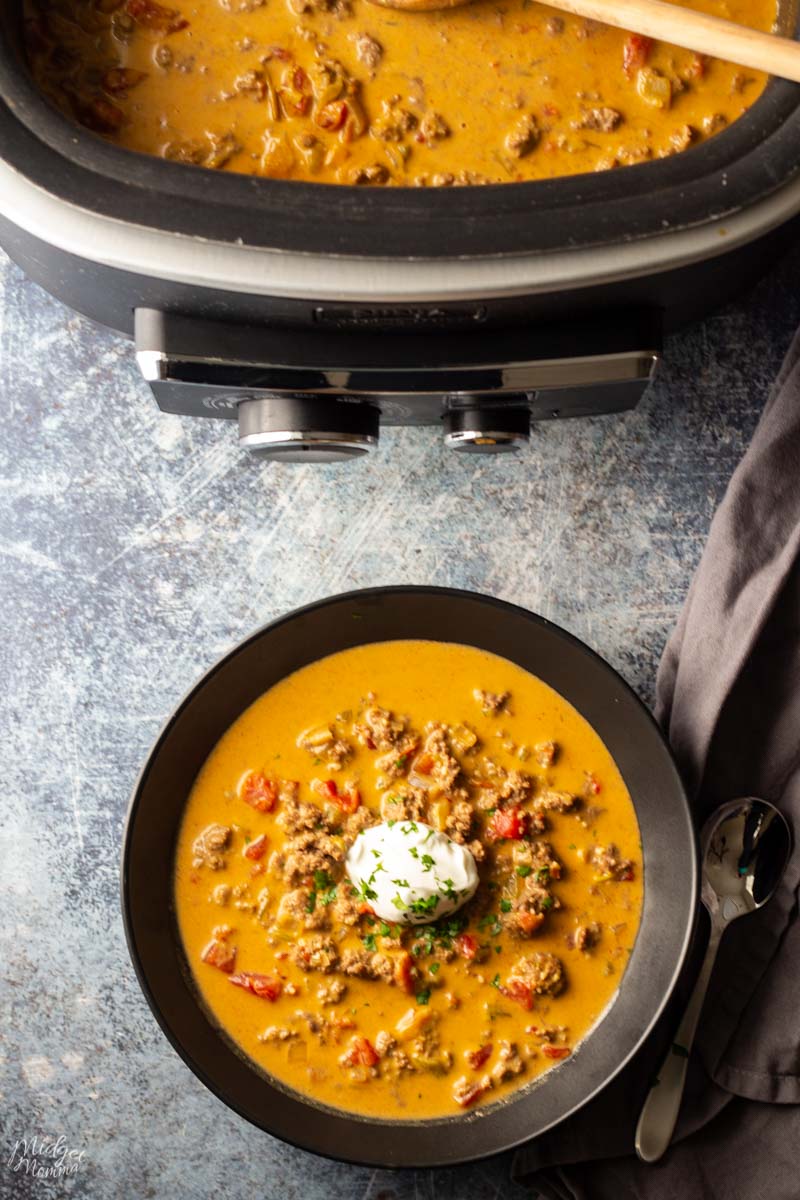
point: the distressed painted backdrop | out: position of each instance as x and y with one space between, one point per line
135 548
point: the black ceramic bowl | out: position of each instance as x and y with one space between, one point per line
596 691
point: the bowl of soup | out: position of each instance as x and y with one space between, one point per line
408 876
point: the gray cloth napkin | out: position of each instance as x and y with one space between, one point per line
728 697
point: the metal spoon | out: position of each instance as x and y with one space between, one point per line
746 845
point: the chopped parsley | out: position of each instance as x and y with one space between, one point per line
375 853
311 903
414 852
447 887
572 846
496 980
400 882
427 862
401 762
389 823
424 907
434 967
424 996
524 871
428 837
365 891
409 828
384 929
399 902
543 875
369 941
505 906
324 889
547 903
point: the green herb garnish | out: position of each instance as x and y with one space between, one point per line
424 996
424 907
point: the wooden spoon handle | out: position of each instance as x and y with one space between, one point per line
696 31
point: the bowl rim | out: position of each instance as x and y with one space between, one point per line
459 1120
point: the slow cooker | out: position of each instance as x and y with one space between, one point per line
315 313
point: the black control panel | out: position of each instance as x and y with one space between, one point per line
321 395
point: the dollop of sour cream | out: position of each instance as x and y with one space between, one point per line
410 873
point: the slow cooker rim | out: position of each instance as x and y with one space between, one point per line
700 186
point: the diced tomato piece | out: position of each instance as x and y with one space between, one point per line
326 789
332 116
102 115
626 876
348 799
403 971
257 848
267 987
362 1053
122 79
258 791
635 53
507 823
366 910
593 786
519 992
466 945
556 1051
218 954
426 762
529 922
476 1058
155 16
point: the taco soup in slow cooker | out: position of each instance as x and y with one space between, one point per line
343 91
408 880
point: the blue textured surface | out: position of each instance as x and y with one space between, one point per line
135 548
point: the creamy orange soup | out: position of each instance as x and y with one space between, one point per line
449 746
343 91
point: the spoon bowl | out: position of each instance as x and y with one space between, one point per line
746 845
